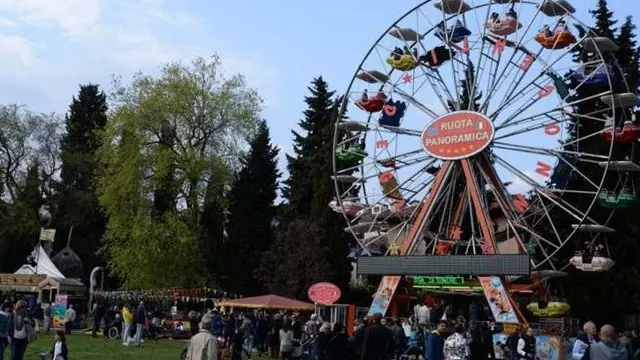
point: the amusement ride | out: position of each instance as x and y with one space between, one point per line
487 127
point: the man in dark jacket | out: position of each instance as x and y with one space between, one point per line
141 317
399 337
377 340
435 342
98 314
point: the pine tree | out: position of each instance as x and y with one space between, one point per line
296 260
466 91
78 202
604 20
628 54
333 236
252 213
298 189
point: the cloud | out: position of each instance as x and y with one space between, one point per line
55 45
519 186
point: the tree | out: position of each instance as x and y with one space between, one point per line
77 199
28 160
605 22
252 212
27 138
296 259
628 54
298 189
21 227
466 91
333 236
167 139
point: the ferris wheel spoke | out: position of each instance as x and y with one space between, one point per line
582 138
583 156
560 108
516 46
558 154
551 127
420 106
547 67
454 71
559 202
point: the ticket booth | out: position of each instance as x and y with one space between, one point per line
338 313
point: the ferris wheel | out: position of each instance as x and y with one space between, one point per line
487 127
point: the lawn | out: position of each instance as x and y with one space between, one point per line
84 347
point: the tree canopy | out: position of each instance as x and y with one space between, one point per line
168 138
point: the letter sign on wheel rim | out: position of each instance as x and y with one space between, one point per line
324 293
457 135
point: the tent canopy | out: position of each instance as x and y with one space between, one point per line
268 302
44 265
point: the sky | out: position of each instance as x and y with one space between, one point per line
50 47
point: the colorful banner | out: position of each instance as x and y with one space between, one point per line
383 296
499 300
59 310
548 347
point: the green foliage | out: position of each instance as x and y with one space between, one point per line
167 139
296 260
605 21
77 198
252 213
298 189
322 247
28 160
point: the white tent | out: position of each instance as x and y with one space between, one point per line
44 265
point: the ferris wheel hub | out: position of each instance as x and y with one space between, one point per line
457 135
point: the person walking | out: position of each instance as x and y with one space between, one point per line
203 345
608 348
48 316
584 340
377 341
69 318
21 329
127 322
456 347
38 316
5 323
98 315
141 317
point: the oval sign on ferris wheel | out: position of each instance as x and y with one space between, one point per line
457 135
324 293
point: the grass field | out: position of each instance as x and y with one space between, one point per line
84 347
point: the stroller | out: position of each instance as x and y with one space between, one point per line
114 329
415 346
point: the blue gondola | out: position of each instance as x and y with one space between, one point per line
358 252
392 113
592 75
562 172
455 33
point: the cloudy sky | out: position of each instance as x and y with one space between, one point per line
49 47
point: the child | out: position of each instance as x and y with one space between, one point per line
236 345
60 347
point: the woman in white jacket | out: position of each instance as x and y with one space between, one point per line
286 341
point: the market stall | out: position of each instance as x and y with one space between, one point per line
273 302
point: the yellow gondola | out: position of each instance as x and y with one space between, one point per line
553 309
404 62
